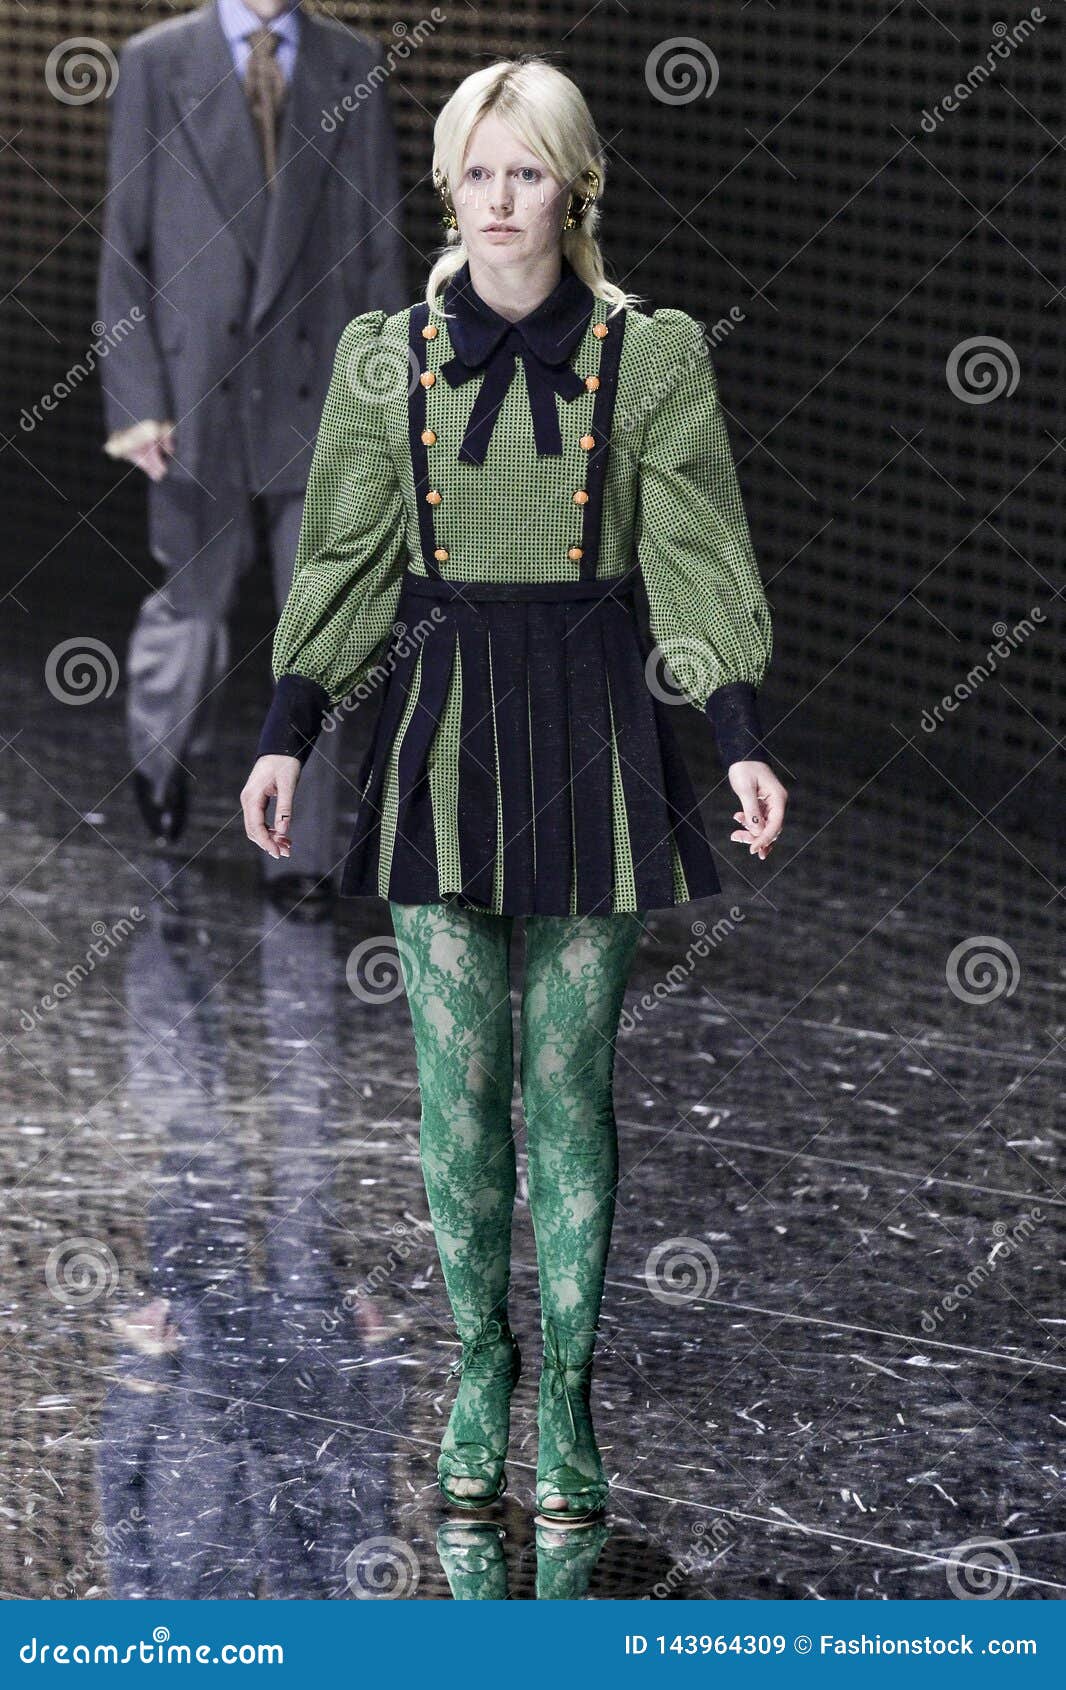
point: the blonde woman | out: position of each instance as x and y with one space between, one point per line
522 499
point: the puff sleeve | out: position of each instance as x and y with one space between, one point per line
708 611
351 549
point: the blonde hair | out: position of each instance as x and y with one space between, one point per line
548 112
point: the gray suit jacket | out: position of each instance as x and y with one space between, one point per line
244 293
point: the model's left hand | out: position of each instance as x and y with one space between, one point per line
763 800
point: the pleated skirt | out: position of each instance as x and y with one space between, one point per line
520 763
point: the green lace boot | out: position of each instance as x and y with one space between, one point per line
474 1445
568 1460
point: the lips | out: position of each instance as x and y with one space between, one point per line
500 229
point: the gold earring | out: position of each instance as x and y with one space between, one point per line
574 219
449 220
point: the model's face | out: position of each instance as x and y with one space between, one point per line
509 206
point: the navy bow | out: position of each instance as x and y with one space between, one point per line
545 340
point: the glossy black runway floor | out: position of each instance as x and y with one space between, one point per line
831 1361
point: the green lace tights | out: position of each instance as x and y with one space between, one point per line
455 964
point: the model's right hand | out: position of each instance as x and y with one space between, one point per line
271 777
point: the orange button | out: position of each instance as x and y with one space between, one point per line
588 441
592 383
575 552
428 437
581 497
433 497
429 332
599 330
441 553
427 378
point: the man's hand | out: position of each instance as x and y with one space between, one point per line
153 456
763 800
271 777
147 444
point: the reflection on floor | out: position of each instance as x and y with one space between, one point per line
831 1361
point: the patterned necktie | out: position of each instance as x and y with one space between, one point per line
264 84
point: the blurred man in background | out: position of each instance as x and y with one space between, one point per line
250 215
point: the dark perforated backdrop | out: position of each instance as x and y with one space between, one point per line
861 234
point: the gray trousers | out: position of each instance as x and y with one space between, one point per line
179 659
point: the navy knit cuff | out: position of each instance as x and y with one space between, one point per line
733 712
294 720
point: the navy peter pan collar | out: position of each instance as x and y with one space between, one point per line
545 340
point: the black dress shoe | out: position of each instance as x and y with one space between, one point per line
163 817
302 897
